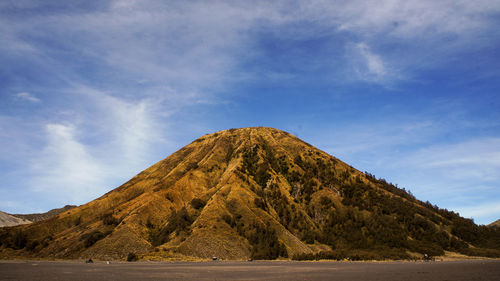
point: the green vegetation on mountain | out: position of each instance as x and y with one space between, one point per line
252 192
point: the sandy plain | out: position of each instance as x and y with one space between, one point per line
257 270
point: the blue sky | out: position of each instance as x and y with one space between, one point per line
92 93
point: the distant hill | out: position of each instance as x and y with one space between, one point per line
252 192
16 219
44 216
10 220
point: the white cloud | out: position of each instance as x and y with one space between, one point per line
65 168
27 97
130 127
380 138
186 46
406 36
192 48
477 159
367 65
462 176
373 61
197 46
488 211
417 19
104 141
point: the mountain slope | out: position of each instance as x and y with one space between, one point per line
495 224
251 192
43 216
10 220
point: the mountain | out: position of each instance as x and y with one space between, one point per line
10 220
43 216
16 219
251 192
495 224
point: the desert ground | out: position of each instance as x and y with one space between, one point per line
257 270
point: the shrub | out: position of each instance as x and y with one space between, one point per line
149 224
20 240
198 203
309 236
178 221
109 219
32 245
169 197
91 238
491 253
229 220
424 247
132 257
354 255
46 240
325 201
260 203
265 244
262 176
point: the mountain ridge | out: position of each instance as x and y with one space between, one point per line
7 219
35 217
10 220
495 223
251 192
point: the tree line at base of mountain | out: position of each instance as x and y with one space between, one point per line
355 255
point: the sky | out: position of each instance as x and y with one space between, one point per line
93 92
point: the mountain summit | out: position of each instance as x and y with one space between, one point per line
251 192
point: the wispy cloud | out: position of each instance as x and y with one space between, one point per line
129 126
197 46
417 19
487 211
65 166
96 146
477 159
373 61
27 97
367 65
377 142
411 36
